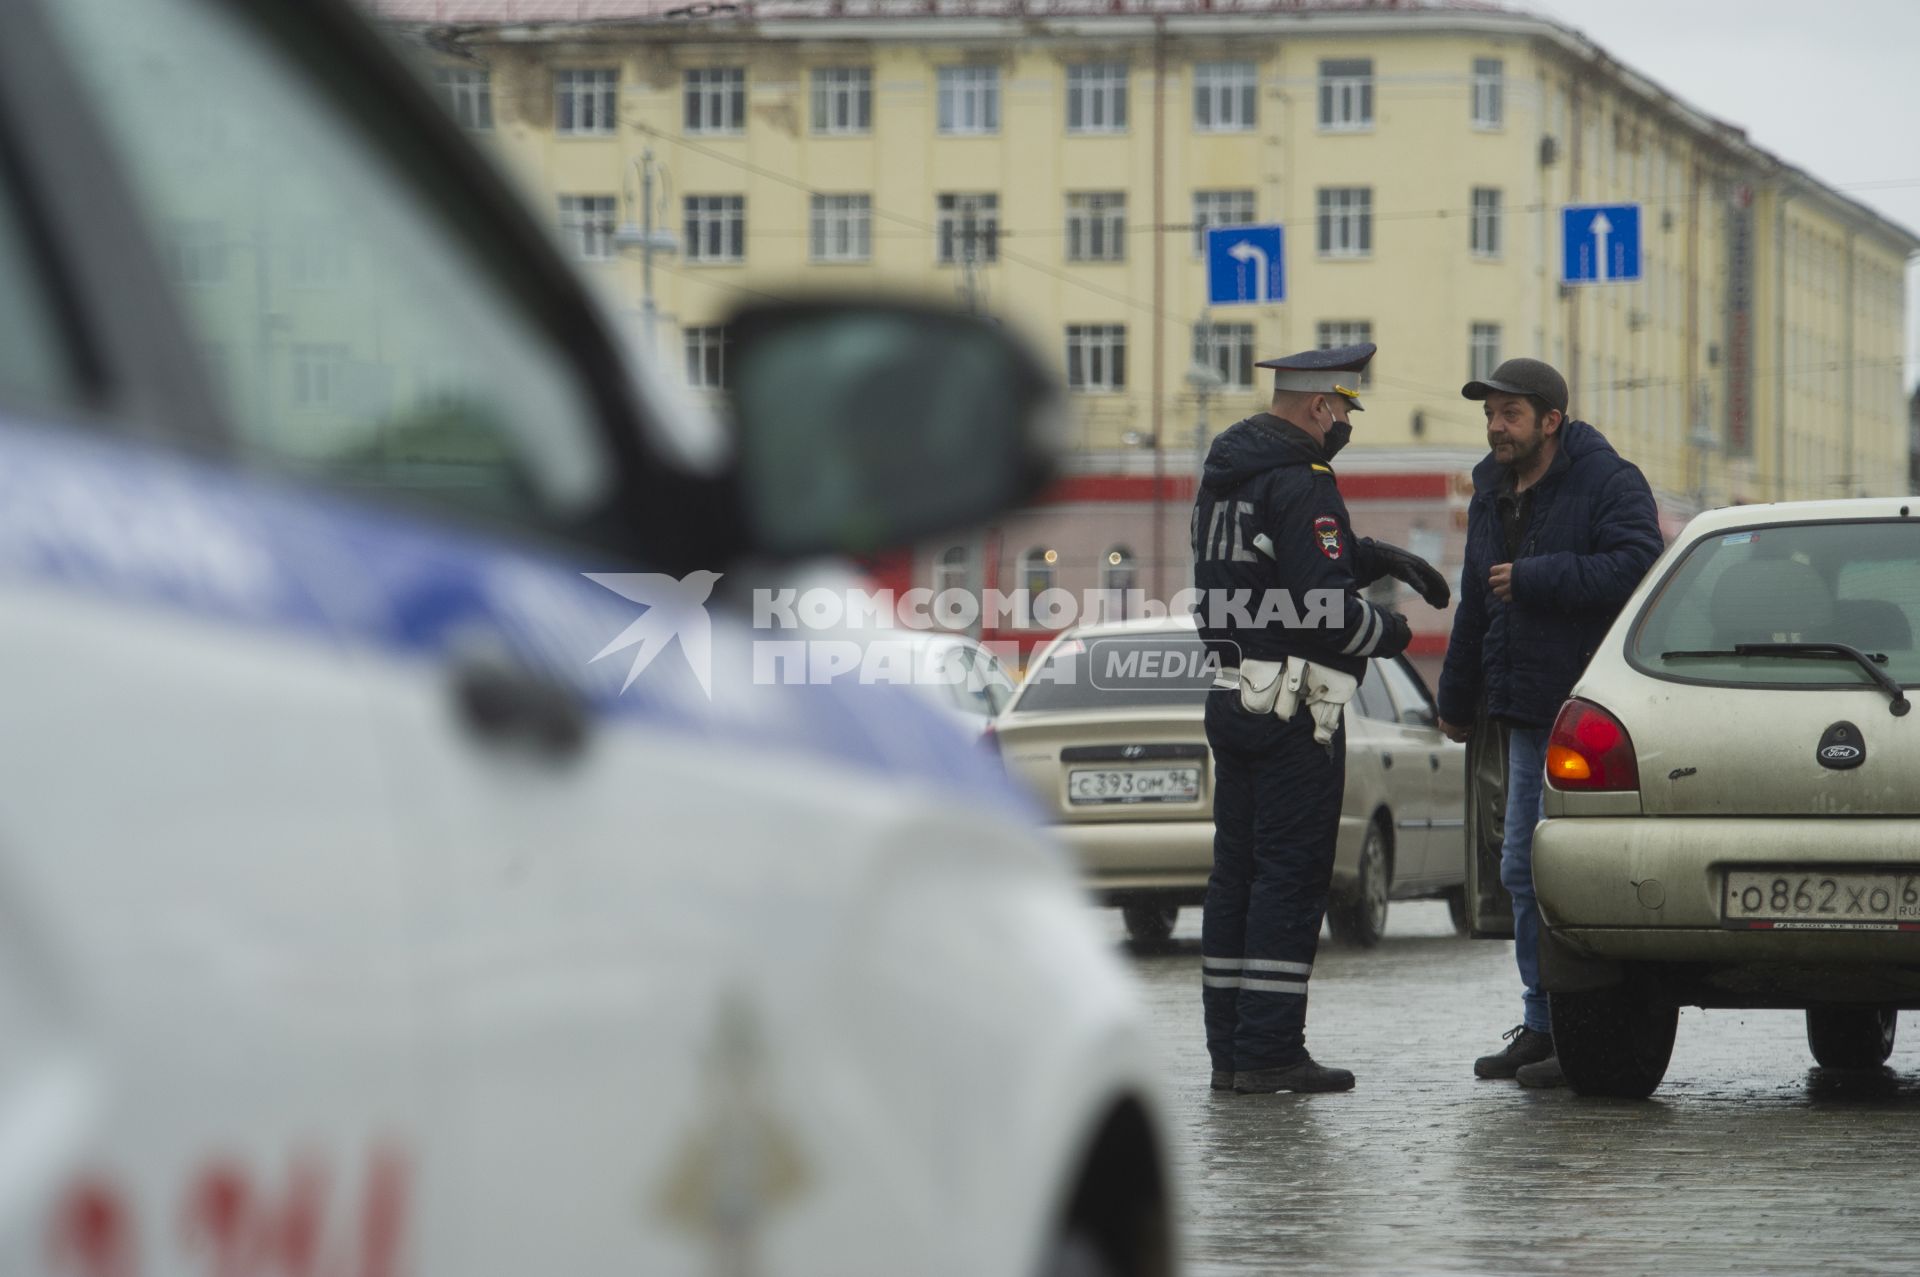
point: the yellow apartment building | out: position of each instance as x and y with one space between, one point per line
1055 164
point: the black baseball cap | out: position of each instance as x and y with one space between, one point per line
1522 377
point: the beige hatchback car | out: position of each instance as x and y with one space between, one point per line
1107 730
1733 795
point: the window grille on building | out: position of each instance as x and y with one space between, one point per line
468 93
842 228
585 103
842 100
586 223
969 99
716 99
716 228
1097 98
1224 96
1346 93
1219 208
969 228
1097 226
1345 217
1096 357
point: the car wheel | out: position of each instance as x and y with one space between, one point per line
1613 1041
1458 912
1361 918
1850 1037
1150 923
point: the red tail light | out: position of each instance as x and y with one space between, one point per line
1590 751
990 740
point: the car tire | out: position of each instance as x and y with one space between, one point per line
1457 911
1151 922
1614 1041
1360 918
1850 1037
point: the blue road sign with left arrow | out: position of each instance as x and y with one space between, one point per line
1245 264
1600 243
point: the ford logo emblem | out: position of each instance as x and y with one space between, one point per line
1841 747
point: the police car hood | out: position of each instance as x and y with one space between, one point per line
1256 445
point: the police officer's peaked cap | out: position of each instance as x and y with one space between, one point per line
1323 372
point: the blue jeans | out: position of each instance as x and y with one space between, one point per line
1526 777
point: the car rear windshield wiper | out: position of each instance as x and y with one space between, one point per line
1868 661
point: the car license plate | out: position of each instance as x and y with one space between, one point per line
1816 900
1134 785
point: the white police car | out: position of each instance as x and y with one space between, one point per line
354 918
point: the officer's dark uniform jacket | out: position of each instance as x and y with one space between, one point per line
1269 517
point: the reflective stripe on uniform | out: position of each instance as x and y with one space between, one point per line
1275 986
1364 633
1284 968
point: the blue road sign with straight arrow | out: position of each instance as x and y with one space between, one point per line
1600 243
1245 264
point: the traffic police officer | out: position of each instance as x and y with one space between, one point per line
1278 574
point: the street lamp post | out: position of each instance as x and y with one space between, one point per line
649 240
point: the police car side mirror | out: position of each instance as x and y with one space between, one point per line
867 425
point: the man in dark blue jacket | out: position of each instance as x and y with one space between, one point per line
1278 572
1559 532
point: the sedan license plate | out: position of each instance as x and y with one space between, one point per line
1816 900
1134 785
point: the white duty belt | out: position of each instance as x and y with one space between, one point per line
1280 687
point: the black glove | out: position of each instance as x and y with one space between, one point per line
1377 559
1395 633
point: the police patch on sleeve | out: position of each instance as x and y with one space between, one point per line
1326 529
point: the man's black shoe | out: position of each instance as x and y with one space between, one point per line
1223 1079
1544 1074
1524 1046
1304 1076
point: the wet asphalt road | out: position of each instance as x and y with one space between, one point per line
1747 1159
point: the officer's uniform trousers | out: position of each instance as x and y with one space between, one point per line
1276 811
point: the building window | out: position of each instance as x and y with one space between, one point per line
969 99
716 100
716 228
468 93
1345 332
1097 98
1224 96
842 228
1097 227
1483 231
1228 350
706 357
1489 93
586 224
1345 221
1483 351
1346 93
319 374
969 228
1036 573
585 103
1219 208
842 100
1096 357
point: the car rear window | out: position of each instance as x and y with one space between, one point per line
1123 672
1854 583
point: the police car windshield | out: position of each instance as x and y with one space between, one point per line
1132 671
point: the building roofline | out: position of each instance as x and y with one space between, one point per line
556 21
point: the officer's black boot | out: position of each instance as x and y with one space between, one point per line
1304 1076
